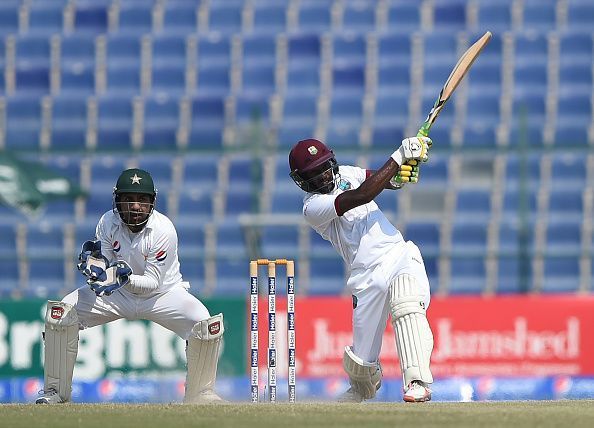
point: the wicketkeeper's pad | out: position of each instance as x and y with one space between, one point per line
365 378
414 339
202 354
61 347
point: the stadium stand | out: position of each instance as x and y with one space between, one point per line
209 96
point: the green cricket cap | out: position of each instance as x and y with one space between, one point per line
135 180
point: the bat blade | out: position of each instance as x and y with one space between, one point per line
458 72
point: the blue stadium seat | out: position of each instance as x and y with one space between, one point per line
9 280
67 165
251 110
239 201
530 79
208 116
394 47
230 241
390 109
509 279
349 78
192 270
279 241
446 117
434 76
23 122
8 243
509 238
359 16
514 201
349 49
77 79
530 48
450 15
575 45
580 14
123 79
573 167
539 15
287 201
564 237
45 241
387 201
231 277
114 122
575 78
300 109
69 122
169 79
314 16
90 18
435 173
574 109
169 49
302 79
9 19
393 78
473 205
200 172
469 238
225 17
214 80
525 132
481 134
404 16
485 78
327 276
160 168
258 79
46 18
561 274
258 49
482 108
441 46
123 50
77 51
135 18
46 278
195 206
214 49
161 122
343 134
495 16
180 19
426 235
566 204
100 198
269 18
386 135
467 275
304 49
346 109
290 133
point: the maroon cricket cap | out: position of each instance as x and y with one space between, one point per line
308 154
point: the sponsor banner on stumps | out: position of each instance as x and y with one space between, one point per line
474 336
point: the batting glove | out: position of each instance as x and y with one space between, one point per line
116 276
413 148
408 173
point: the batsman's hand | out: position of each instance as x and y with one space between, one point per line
408 173
412 148
115 276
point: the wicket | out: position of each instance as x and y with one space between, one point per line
290 266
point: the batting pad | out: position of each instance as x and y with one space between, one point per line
202 354
414 339
365 377
61 347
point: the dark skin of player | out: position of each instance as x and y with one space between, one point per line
139 206
366 192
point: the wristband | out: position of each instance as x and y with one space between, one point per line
397 156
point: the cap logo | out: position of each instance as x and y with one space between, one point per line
312 150
135 179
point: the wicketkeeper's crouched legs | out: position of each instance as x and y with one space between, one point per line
202 354
414 339
61 347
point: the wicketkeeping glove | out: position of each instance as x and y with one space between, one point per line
91 263
115 276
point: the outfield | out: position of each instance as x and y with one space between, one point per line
516 414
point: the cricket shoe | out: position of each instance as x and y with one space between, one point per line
49 396
208 396
416 392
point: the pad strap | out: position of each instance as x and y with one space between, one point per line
61 347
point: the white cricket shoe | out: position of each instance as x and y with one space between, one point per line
416 392
49 396
207 396
350 396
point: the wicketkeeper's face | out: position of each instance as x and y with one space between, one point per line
134 208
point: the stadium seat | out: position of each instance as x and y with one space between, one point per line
279 241
161 122
327 276
393 79
349 49
258 79
169 49
114 122
258 49
195 206
495 16
426 235
169 79
208 117
564 237
302 79
304 49
539 15
269 18
314 16
180 19
394 47
45 18
232 276
530 80
90 18
192 270
230 241
473 205
135 18
200 172
469 238
69 123
467 275
580 14
359 16
530 47
348 79
403 16
10 279
390 109
23 122
9 20
561 274
225 17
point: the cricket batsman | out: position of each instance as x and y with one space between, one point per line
132 272
387 274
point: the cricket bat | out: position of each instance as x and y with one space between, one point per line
460 70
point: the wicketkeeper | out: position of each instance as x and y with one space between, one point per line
132 272
387 273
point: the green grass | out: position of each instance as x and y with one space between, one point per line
516 414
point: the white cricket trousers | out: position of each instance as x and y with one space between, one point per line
370 291
175 309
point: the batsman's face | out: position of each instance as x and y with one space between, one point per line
135 208
320 179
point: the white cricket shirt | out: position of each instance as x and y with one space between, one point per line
151 253
362 235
